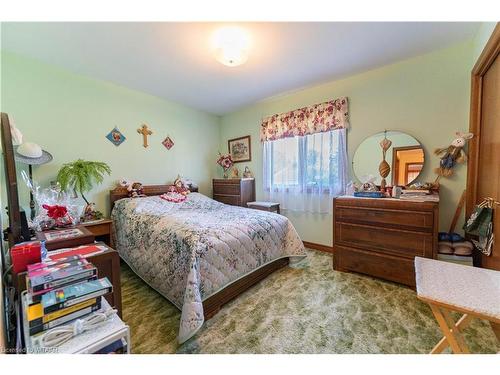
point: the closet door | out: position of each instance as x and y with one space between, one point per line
484 167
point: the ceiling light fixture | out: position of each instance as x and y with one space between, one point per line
231 45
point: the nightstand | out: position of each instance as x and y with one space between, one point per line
101 229
265 206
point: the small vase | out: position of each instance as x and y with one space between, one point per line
225 174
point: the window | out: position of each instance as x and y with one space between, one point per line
304 173
285 162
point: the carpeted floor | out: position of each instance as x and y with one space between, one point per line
312 309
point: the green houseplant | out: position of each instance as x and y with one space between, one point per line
81 176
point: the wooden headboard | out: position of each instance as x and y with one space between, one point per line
122 192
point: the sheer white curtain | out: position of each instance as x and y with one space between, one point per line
304 173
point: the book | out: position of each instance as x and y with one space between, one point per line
420 198
33 330
70 295
84 251
44 279
416 191
59 238
36 297
46 264
63 234
36 316
369 194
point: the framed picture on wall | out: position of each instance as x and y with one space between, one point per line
240 149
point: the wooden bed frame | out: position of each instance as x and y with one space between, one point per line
213 304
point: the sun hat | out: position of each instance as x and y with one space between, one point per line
32 154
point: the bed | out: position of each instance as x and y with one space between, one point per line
200 254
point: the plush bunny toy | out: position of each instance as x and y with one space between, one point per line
453 154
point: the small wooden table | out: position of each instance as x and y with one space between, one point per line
446 287
101 229
265 206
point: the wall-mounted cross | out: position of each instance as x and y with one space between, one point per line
145 132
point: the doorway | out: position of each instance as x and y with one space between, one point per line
483 176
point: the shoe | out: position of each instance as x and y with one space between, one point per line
462 248
445 247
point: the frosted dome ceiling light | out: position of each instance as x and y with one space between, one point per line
231 45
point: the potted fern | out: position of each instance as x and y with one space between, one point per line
81 176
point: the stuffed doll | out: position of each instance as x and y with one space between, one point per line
180 187
134 189
452 155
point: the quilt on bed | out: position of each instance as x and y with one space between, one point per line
190 250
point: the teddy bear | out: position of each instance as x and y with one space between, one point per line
452 155
135 189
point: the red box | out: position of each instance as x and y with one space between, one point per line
23 254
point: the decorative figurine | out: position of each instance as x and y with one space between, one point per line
235 173
453 154
247 173
384 167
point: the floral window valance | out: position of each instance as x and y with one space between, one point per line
317 118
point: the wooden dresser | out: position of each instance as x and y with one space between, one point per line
381 237
234 191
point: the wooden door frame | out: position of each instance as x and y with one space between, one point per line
406 170
483 63
394 158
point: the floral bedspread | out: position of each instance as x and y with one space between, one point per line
190 250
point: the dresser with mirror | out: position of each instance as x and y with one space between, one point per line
380 237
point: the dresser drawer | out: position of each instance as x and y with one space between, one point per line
393 268
227 189
414 220
228 199
376 239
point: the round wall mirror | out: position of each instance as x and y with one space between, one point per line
405 157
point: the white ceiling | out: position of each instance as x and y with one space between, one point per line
174 60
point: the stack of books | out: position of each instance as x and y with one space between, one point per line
62 290
422 195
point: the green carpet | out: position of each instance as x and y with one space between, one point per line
308 310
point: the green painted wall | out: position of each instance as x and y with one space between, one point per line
69 116
426 97
481 38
